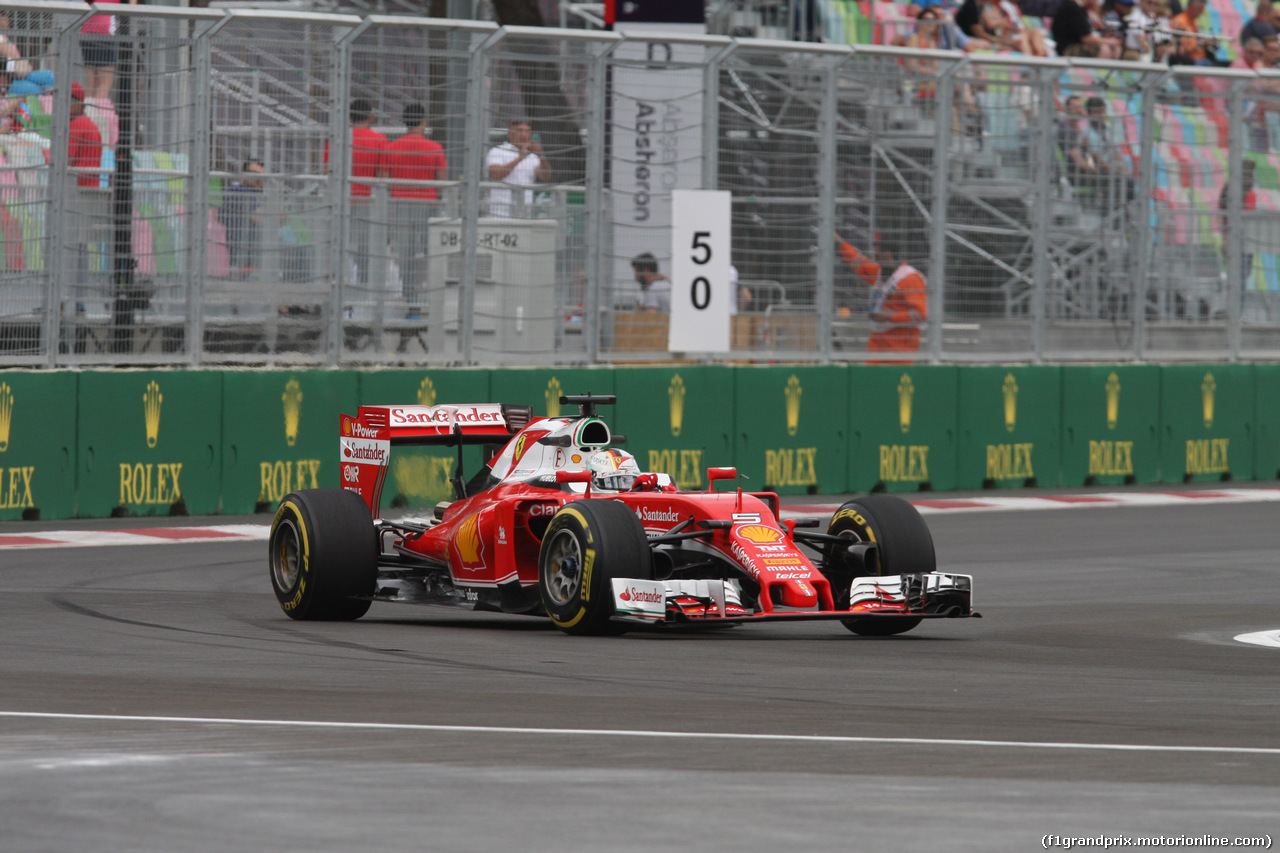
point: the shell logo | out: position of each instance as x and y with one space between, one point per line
468 540
759 534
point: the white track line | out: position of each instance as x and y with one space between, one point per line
143 536
640 733
936 505
941 503
1261 638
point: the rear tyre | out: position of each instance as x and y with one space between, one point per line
323 555
587 544
903 544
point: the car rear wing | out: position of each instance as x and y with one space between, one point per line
367 438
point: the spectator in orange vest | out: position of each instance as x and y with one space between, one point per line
899 304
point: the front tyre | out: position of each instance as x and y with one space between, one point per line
323 554
903 544
586 545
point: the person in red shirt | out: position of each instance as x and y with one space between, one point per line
413 157
367 151
85 143
899 305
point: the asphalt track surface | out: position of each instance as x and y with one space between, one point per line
155 698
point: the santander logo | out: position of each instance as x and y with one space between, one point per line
641 596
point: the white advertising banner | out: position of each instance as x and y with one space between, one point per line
655 146
701 292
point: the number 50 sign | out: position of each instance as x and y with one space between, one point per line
700 287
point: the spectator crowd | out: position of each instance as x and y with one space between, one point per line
1173 32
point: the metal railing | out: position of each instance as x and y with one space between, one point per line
1058 209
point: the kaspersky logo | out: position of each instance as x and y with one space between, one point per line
553 393
292 410
1113 400
151 402
793 392
675 393
1010 391
906 391
6 415
1208 388
427 392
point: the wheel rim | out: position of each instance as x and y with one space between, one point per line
286 552
564 567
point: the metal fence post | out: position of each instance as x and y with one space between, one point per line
827 120
1042 169
470 230
1235 221
941 192
594 201
1146 181
56 256
199 167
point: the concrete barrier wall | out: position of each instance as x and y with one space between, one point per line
125 442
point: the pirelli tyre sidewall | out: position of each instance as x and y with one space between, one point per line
323 555
586 545
903 546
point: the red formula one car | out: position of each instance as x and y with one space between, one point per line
563 523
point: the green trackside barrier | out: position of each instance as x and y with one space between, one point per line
1110 425
149 443
902 427
543 387
1206 412
790 428
420 476
280 434
37 445
1266 420
677 420
1009 422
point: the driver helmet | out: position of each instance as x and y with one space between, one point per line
612 469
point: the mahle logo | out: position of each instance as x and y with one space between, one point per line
553 394
1208 388
6 415
906 392
427 392
675 392
1113 400
1010 402
793 392
151 402
292 410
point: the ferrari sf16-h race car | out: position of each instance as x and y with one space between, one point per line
561 522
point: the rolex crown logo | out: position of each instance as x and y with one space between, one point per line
906 391
151 402
292 410
1207 390
553 398
675 392
1113 400
6 415
427 392
1010 402
793 392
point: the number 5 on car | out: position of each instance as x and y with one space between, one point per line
700 288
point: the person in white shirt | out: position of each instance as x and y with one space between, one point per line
519 162
655 288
